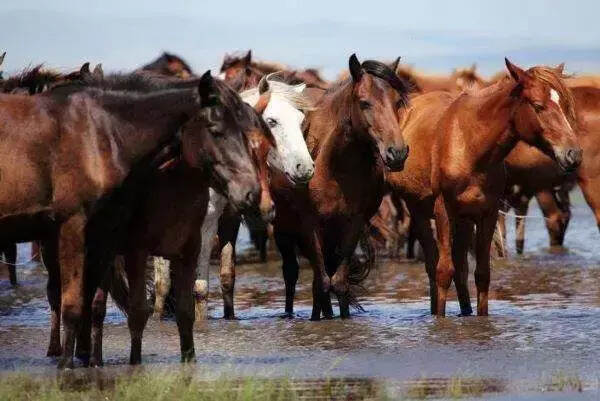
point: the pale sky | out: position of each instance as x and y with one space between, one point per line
434 36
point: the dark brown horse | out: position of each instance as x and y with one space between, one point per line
352 136
169 65
476 133
79 146
169 209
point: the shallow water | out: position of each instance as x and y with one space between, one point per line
542 330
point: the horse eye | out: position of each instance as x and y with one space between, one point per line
364 105
271 122
538 107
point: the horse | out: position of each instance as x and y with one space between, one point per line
284 114
79 146
235 66
32 81
530 173
169 64
171 209
476 133
418 184
352 137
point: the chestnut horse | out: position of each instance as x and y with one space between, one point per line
79 146
536 174
352 135
476 133
421 129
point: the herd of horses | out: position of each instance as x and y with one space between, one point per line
110 173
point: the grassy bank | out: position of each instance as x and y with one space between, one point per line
161 386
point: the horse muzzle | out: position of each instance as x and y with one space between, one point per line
569 159
395 158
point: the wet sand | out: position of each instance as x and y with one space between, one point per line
542 331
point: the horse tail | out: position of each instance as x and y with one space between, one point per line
119 287
359 267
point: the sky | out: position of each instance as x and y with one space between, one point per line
434 36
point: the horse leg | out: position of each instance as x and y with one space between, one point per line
137 316
287 248
484 236
50 255
71 253
521 206
10 259
311 247
423 232
555 219
227 277
162 285
339 282
184 313
215 208
463 235
229 226
98 315
445 268
36 251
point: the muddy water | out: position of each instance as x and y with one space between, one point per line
543 330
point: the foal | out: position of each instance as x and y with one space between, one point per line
476 133
352 137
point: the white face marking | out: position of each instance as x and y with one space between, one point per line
292 156
221 76
554 96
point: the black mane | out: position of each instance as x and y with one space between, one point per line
34 80
383 71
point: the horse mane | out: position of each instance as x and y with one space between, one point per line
298 99
35 79
163 60
268 67
556 81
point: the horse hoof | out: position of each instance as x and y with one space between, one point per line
188 357
288 315
96 363
54 352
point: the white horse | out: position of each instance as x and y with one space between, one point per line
284 115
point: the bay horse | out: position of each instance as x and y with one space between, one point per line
78 147
284 114
353 137
476 133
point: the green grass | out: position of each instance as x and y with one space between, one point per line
159 386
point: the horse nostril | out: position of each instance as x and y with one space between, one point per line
249 197
574 156
298 166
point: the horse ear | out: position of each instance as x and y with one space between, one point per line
248 58
263 85
559 68
355 68
84 71
515 72
2 58
262 103
473 67
395 64
299 88
98 72
206 89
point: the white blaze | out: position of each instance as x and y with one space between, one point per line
554 96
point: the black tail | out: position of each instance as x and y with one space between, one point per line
119 287
360 266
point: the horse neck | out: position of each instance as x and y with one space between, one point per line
151 120
494 137
344 138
